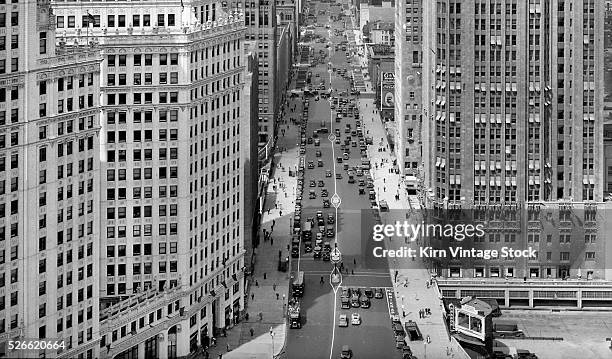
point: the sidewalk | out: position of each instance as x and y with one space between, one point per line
411 291
266 281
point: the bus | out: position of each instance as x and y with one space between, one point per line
297 288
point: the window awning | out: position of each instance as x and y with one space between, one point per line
477 87
507 162
477 118
537 165
443 85
591 180
507 182
537 181
492 40
531 181
499 40
514 87
492 165
513 181
483 165
483 86
508 118
492 118
491 181
437 161
537 117
498 118
438 68
531 88
514 165
438 115
537 86
443 69
477 181
498 165
499 87
452 179
443 116
458 69
498 182
585 180
443 163
443 101
452 69
458 179
438 83
477 165
531 116
591 117
531 166
508 88
452 117
452 85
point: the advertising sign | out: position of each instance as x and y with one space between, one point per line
387 91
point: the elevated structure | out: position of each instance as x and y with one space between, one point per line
497 121
175 148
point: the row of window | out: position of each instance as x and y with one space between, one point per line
148 79
138 269
140 116
142 212
143 135
115 21
121 98
121 60
138 230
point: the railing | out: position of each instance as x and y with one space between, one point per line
520 282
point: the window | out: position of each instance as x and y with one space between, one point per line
42 42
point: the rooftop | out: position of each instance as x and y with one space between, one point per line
381 25
483 308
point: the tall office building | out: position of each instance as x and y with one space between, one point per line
49 186
501 100
260 19
173 153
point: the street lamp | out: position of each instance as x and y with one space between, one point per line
272 336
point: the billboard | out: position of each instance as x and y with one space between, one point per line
387 91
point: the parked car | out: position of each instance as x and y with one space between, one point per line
355 319
320 183
313 183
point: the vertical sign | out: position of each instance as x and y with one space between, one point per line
387 90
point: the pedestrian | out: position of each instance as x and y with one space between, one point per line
276 296
273 223
321 281
354 261
256 283
281 213
274 286
275 204
265 275
228 347
280 253
271 241
252 331
214 341
420 313
260 316
283 297
352 271
252 296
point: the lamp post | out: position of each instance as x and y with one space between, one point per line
272 336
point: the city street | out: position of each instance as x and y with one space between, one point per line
321 304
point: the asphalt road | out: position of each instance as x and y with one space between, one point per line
320 305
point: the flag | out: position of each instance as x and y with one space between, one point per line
182 5
90 19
